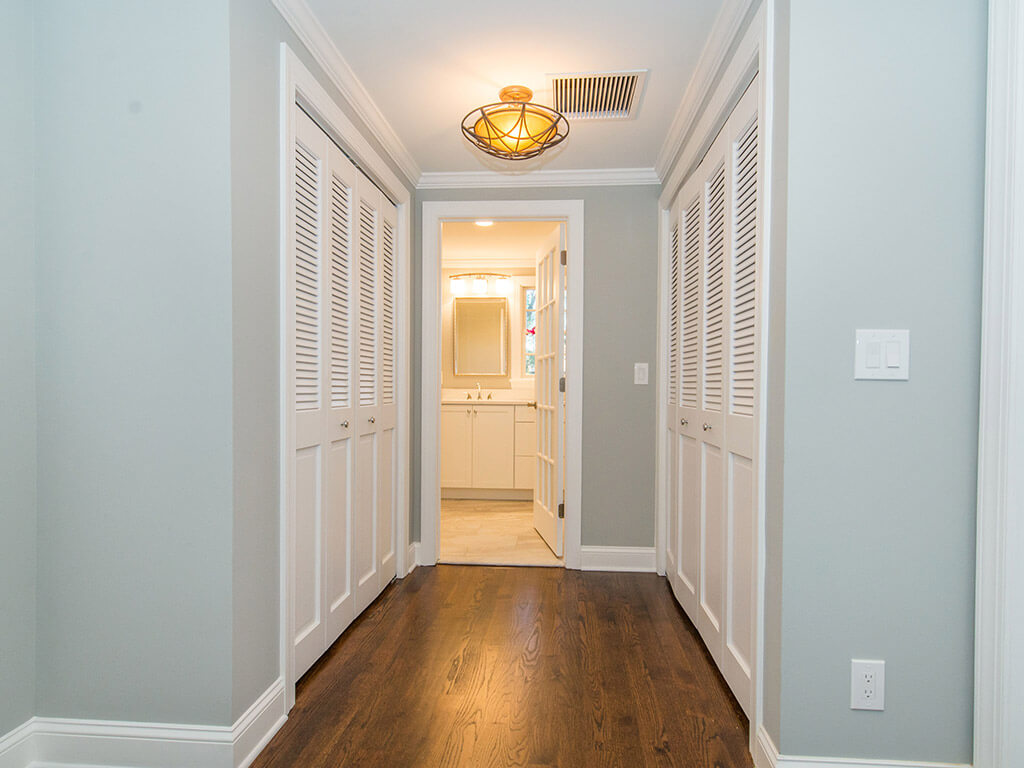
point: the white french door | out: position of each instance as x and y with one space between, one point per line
548 494
341 339
713 362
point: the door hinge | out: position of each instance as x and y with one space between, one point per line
564 257
561 510
561 384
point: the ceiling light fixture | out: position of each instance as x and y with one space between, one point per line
484 223
515 128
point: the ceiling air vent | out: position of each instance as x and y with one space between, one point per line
598 95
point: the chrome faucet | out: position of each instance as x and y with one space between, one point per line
479 395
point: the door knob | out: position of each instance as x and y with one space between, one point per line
706 427
344 424
372 420
683 422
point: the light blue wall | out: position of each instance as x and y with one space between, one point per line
17 371
620 327
257 30
884 230
134 360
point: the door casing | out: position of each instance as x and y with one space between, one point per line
434 214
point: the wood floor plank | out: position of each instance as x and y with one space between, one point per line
461 666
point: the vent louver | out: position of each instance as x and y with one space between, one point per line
598 95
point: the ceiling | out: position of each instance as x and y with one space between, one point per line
427 64
505 243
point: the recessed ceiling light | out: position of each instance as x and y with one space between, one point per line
484 223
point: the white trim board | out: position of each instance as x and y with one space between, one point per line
307 27
628 559
767 756
999 581
434 213
44 741
593 177
299 86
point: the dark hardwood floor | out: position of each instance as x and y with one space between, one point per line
475 666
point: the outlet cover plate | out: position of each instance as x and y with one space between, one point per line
867 684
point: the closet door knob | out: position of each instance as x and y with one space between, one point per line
372 420
706 427
344 424
683 422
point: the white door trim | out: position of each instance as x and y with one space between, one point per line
999 615
434 213
299 86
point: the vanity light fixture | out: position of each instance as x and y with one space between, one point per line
480 284
515 128
484 223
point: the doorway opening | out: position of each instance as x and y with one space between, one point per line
502 383
502 467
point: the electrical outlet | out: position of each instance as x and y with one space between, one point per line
867 684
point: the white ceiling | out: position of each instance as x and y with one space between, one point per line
426 64
505 243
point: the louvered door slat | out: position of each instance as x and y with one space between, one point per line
714 289
307 281
388 313
368 218
673 317
341 303
744 277
691 304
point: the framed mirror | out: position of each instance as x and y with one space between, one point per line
481 336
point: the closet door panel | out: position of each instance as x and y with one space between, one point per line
310 634
386 510
671 438
339 604
306 341
367 573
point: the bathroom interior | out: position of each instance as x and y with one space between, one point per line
489 397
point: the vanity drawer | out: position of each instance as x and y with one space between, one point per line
525 413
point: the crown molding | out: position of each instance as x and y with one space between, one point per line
725 33
594 177
300 17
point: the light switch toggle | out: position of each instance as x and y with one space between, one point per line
882 354
892 354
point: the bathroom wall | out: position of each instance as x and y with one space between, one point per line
516 380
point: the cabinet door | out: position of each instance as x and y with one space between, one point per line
493 446
456 446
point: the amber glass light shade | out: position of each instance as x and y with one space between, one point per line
515 128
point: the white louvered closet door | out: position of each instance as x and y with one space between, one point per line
307 281
373 524
342 333
714 339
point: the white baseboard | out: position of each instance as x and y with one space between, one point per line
254 729
635 559
412 558
16 747
47 742
767 756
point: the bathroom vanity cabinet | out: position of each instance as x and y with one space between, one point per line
487 445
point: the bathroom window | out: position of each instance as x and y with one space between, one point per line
529 331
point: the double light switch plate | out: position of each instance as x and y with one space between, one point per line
882 355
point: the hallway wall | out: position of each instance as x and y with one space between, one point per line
17 370
620 328
883 229
134 360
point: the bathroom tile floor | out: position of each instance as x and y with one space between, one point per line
478 532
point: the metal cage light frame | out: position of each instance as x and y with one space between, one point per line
515 128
